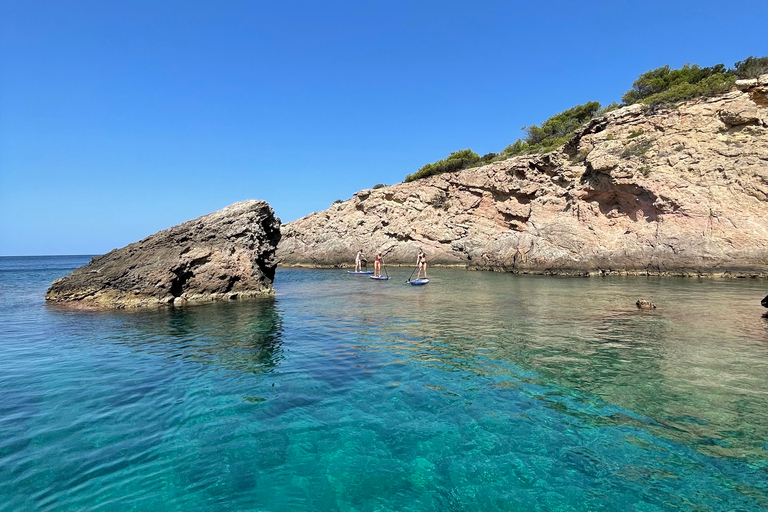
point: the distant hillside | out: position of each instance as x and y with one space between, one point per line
640 190
663 86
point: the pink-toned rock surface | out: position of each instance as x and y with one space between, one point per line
226 255
681 191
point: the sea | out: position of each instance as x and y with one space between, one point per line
480 391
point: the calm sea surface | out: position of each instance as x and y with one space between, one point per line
479 391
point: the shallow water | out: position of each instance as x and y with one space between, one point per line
479 391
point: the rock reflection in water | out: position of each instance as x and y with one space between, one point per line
242 336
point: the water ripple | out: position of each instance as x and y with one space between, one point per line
478 392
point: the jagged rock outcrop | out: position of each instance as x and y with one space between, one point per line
226 255
679 191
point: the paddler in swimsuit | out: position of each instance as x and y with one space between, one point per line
359 261
421 261
377 266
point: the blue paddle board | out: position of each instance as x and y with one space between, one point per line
417 282
361 272
380 278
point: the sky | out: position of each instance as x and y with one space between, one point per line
119 119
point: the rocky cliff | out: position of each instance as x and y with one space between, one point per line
228 254
678 191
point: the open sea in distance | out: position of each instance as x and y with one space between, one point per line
478 392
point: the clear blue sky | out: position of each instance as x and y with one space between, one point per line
118 119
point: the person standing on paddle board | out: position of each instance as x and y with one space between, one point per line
421 261
377 266
359 261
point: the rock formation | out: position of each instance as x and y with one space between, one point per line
228 254
680 191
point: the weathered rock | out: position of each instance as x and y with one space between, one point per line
226 255
669 192
764 302
645 304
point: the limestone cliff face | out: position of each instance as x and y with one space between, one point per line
680 191
228 254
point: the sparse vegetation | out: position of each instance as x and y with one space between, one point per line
456 161
634 133
553 132
378 185
646 170
581 156
636 149
608 108
752 67
338 201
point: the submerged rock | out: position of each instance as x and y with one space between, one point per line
226 255
679 191
645 304
764 302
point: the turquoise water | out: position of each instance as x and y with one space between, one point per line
479 391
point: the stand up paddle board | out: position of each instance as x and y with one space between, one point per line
360 273
417 282
380 278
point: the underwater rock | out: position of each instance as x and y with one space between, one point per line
645 304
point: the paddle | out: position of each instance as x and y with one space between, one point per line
414 270
382 261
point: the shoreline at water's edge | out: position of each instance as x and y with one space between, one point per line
146 303
710 274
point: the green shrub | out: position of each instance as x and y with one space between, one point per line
456 161
562 124
488 157
752 67
338 201
635 133
665 85
608 108
378 185
553 132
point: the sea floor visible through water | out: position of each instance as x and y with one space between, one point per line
479 391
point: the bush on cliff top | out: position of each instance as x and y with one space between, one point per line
661 86
553 132
456 161
752 67
665 85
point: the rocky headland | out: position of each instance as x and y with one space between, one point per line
226 255
675 191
